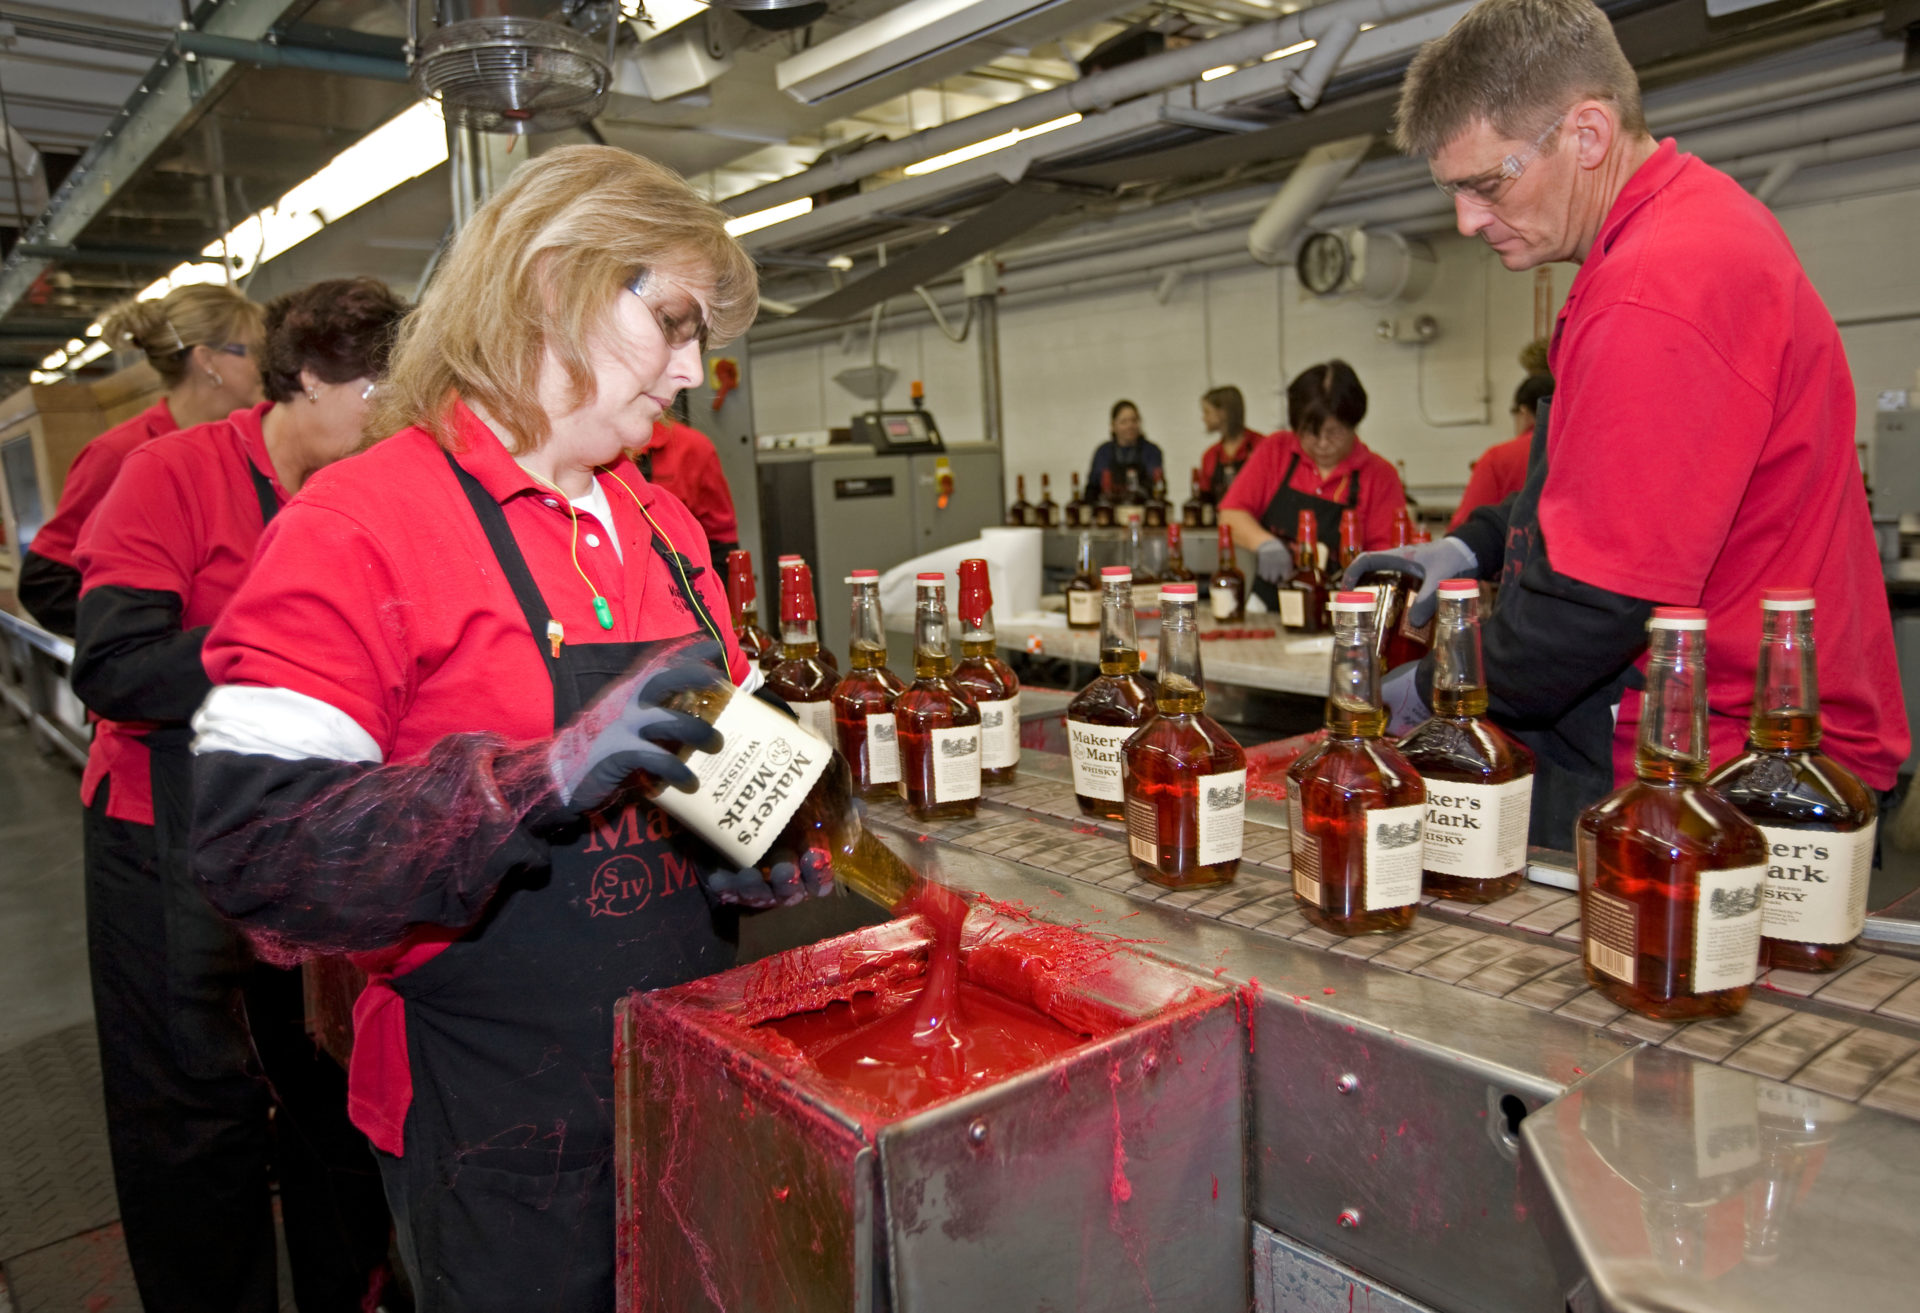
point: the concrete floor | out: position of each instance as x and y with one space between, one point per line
43 928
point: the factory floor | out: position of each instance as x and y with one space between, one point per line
60 1245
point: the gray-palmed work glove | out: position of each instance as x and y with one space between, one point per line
1435 563
1273 561
640 735
1400 694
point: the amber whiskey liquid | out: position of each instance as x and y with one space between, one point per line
1303 598
1818 818
1077 513
756 643
1176 571
863 700
1479 781
1107 711
1397 639
987 681
1046 511
802 678
1083 590
1227 590
1184 778
938 727
1197 511
1355 806
1021 512
1671 876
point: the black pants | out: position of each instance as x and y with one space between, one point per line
194 1154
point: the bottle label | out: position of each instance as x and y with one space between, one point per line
1306 851
1083 607
1096 758
1146 597
1206 514
956 763
751 787
816 718
1143 831
1726 928
1817 884
1393 857
883 749
1477 831
1293 608
1223 816
1224 603
1612 930
1000 733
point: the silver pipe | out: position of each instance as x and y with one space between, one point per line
986 315
268 54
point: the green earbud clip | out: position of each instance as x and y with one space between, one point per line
603 611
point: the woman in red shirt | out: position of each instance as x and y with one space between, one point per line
1224 411
1320 465
188 1022
1502 468
394 761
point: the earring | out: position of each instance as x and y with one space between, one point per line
313 396
216 380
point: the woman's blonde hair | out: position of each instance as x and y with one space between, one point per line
541 267
167 328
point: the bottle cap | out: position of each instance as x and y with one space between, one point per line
787 563
1110 573
740 588
863 577
1351 602
929 579
1786 599
1179 592
1460 588
1678 617
976 591
796 594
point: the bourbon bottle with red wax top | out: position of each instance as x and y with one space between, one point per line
1349 538
1083 590
1227 590
1184 778
1105 713
1672 877
863 700
1396 638
1175 571
987 680
1078 512
1818 818
1157 509
786 563
937 725
1303 598
1021 512
1479 781
1046 511
1355 806
1104 502
756 643
802 678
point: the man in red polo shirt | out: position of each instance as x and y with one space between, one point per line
1529 116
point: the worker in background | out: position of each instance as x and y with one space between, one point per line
394 760
1529 117
681 459
1502 468
204 342
1127 461
1224 411
1318 464
213 1088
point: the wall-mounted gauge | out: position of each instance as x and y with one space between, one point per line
1323 263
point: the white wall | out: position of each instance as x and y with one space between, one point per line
1435 407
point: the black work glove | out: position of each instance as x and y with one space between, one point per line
632 733
1435 563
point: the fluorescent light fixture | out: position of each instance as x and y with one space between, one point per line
1220 72
988 146
91 353
747 223
54 361
1284 51
888 43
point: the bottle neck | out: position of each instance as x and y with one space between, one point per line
1176 553
1306 553
746 616
1673 712
1179 687
1353 691
799 638
1119 637
1786 690
868 645
1459 675
1086 554
977 637
932 657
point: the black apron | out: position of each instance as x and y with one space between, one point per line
207 956
508 1169
1282 520
1573 760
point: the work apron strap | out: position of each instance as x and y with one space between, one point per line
263 489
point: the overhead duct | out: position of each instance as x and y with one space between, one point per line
493 66
775 15
1311 81
899 38
1305 191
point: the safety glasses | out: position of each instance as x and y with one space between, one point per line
674 308
1487 188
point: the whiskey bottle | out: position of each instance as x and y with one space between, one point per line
1175 571
1479 781
801 678
938 727
1146 584
1303 599
756 643
1397 639
1402 527
1183 777
1354 804
1083 590
1046 511
988 682
1156 511
786 563
863 700
1349 538
1021 512
1130 496
1672 877
1078 513
1196 511
1103 505
1227 590
1818 818
1105 713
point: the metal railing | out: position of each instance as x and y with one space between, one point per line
34 666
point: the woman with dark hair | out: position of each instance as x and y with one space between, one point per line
1224 411
1319 464
1127 459
1502 468
212 1087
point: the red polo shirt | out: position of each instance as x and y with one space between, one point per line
1497 475
378 594
1692 290
1210 458
1381 494
183 518
91 474
684 463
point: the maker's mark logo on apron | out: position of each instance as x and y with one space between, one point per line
611 832
625 884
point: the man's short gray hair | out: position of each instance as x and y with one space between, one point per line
1515 65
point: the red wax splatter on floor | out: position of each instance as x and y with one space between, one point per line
1327 990
1134 912
1578 1072
1216 1187
781 1194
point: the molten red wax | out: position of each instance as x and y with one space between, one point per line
872 1045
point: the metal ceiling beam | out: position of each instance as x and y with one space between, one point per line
171 96
279 51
